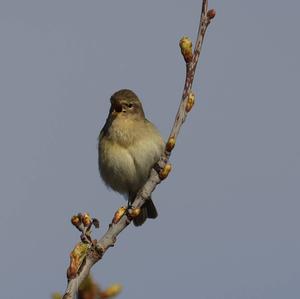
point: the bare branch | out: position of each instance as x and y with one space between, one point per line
123 217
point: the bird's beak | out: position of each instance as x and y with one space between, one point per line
117 108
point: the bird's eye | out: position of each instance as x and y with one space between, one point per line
129 105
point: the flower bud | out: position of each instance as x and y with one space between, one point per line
170 144
75 220
190 102
112 291
165 171
134 212
121 211
77 256
86 219
211 14
186 48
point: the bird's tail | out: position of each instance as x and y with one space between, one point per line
148 210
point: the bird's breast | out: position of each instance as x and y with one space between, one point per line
127 153
123 131
117 166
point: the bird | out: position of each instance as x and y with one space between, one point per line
129 146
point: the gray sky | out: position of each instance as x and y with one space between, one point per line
228 223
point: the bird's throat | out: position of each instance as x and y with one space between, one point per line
122 131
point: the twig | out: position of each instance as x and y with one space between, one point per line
123 217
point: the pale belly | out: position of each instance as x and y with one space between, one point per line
127 169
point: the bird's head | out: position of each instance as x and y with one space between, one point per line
125 103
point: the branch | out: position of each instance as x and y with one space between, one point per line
83 257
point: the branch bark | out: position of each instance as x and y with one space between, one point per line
160 170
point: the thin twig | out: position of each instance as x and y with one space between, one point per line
157 174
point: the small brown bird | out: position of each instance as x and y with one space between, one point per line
129 146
